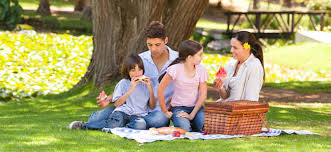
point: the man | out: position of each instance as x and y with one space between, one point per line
156 60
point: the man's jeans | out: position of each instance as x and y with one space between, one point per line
100 119
184 123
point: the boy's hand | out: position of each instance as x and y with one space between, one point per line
134 83
168 114
104 103
148 83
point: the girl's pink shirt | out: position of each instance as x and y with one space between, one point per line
186 89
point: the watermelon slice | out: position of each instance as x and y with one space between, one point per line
221 74
103 95
140 78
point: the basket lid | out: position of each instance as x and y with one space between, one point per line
232 106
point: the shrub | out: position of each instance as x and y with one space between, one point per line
10 14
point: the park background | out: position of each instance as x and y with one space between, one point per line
45 50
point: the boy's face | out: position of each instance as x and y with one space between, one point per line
157 46
136 72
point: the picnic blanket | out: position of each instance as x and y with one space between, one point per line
143 136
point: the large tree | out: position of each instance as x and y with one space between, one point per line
43 8
119 26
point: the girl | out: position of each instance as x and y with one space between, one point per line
190 87
246 74
132 96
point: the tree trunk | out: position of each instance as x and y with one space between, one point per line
287 3
43 8
87 11
256 4
80 4
119 26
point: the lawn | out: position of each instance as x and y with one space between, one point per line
40 124
306 56
56 3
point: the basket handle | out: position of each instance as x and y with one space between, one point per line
264 123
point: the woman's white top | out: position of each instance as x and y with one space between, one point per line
246 85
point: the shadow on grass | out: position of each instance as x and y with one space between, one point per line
303 86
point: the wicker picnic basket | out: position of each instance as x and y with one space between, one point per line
235 117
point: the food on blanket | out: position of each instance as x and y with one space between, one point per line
103 95
221 74
176 134
168 131
140 78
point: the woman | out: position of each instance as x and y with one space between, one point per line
246 73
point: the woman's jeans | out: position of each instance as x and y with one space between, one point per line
184 123
102 119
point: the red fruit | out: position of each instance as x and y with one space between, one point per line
221 74
176 134
102 94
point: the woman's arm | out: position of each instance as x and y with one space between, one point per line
254 83
160 93
201 100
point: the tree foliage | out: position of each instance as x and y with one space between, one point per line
10 14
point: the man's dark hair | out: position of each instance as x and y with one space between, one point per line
129 63
156 30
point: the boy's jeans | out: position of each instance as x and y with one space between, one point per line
98 119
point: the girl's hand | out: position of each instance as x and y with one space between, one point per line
185 115
168 114
218 83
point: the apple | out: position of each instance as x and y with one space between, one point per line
176 134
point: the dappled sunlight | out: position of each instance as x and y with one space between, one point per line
41 140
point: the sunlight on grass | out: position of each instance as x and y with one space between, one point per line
41 140
206 24
308 56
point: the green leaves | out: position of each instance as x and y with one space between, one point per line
41 63
10 14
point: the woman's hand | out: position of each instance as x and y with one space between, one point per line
218 83
185 115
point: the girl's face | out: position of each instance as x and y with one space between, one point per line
196 58
238 51
136 71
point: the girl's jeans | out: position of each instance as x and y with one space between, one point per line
184 123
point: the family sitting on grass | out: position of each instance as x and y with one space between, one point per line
174 86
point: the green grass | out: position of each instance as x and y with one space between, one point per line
303 86
39 124
306 56
57 3
60 22
206 24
